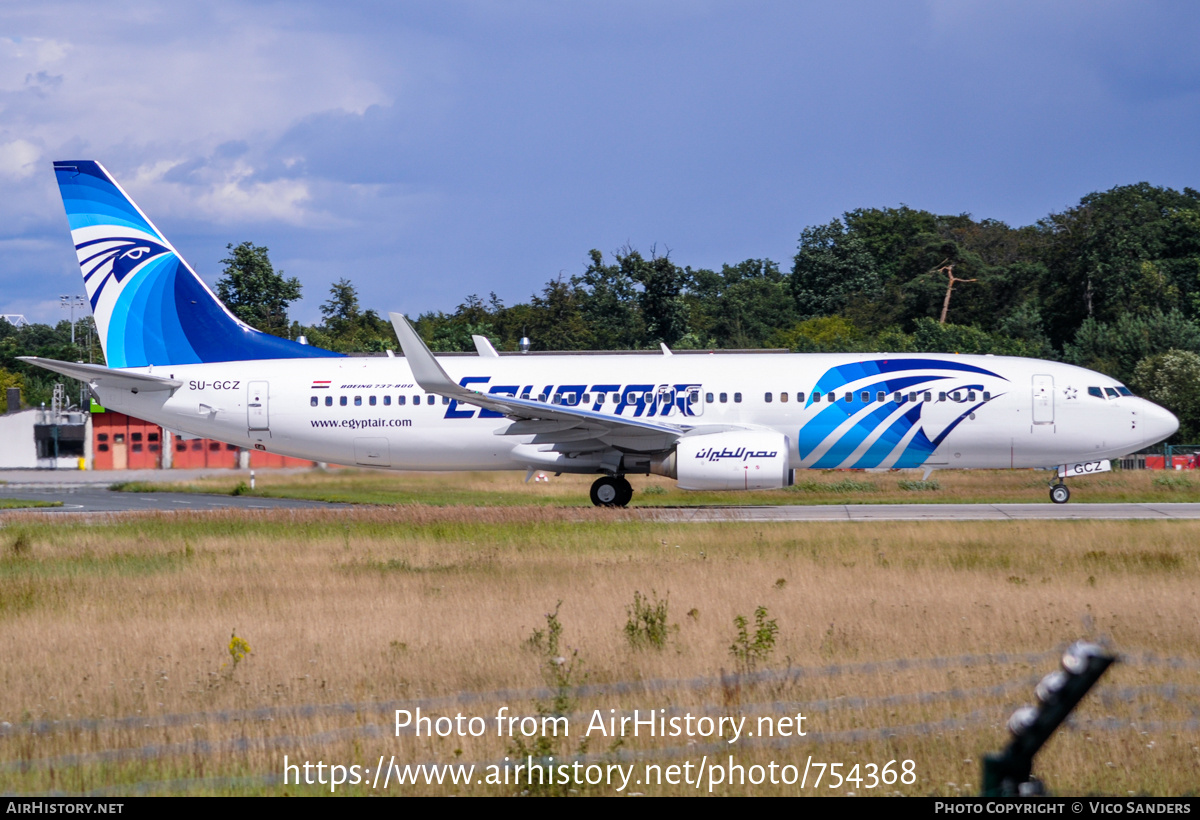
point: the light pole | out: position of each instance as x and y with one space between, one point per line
72 302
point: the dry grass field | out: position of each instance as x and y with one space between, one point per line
900 641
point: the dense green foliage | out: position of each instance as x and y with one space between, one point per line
1112 284
253 291
51 342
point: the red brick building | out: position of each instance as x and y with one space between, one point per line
121 442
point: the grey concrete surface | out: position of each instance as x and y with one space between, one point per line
85 491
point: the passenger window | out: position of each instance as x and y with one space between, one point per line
616 398
881 396
831 398
866 397
694 396
708 397
987 396
342 401
800 398
445 399
387 401
312 402
816 397
587 398
941 396
400 400
329 401
970 395
849 397
955 396
737 398
371 401
783 397
928 396
724 398
898 397
767 398
358 401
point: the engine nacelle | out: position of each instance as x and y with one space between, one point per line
748 460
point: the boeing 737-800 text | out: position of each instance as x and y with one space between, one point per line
177 357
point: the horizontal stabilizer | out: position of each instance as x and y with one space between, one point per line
100 376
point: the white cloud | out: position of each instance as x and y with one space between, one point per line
164 84
18 159
283 200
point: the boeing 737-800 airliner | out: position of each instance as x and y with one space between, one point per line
177 357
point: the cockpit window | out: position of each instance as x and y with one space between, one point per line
1096 391
1112 392
1123 390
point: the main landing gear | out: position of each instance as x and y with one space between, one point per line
611 491
1059 493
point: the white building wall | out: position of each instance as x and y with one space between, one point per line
17 447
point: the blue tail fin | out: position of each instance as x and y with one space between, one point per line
150 306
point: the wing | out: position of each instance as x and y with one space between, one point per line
557 427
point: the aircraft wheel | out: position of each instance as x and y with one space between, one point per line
606 492
626 491
1059 494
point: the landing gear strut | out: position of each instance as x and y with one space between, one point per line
1059 493
611 491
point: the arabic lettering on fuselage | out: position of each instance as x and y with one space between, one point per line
741 454
642 400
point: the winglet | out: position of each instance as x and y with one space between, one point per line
483 346
425 368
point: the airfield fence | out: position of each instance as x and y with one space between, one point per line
373 720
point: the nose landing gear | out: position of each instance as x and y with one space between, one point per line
611 491
1059 493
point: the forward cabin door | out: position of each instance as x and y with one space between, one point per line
1043 400
257 409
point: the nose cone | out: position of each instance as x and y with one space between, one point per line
1157 423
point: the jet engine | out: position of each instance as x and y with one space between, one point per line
739 460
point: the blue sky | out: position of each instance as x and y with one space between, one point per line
429 150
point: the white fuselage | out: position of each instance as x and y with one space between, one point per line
946 411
